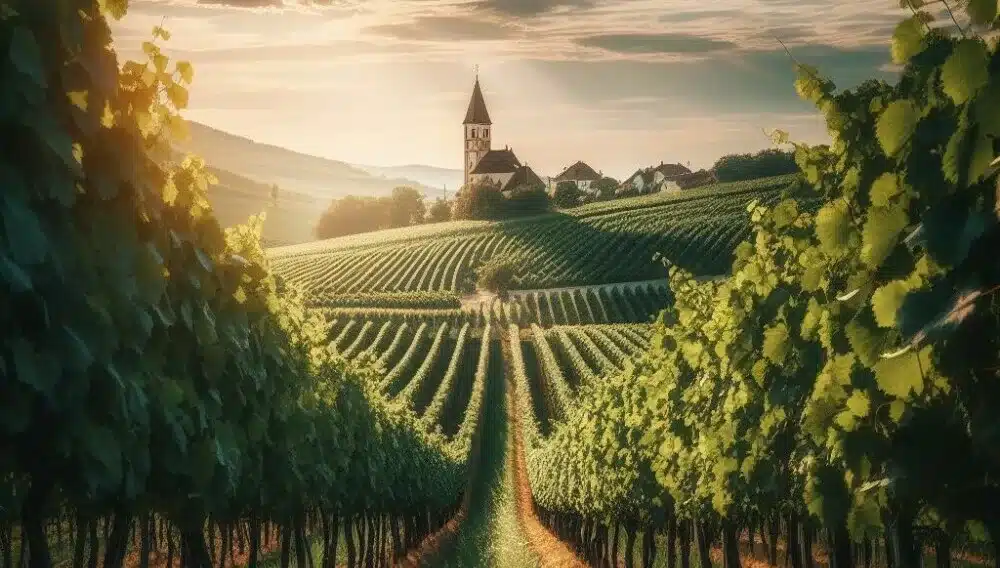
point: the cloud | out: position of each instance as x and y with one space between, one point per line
695 15
446 28
245 3
655 43
290 4
527 8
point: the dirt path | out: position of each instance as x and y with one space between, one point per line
552 552
435 542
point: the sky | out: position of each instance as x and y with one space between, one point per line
619 84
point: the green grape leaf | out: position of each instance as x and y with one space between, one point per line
115 8
887 300
847 421
185 70
809 84
908 38
76 353
896 410
776 346
951 161
864 337
811 319
965 71
17 279
161 33
900 376
981 12
178 95
981 158
881 233
833 227
987 112
25 237
884 188
858 404
896 125
27 56
29 366
951 228
103 446
812 277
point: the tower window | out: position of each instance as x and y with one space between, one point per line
486 133
473 132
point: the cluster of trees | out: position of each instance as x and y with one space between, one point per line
358 214
765 163
567 194
485 201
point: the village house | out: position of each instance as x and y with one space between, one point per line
665 177
579 173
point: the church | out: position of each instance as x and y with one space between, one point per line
483 164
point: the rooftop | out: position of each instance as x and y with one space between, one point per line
477 107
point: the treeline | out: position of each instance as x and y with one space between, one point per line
765 163
357 214
406 206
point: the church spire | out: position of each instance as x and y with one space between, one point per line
477 106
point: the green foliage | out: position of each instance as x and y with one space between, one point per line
567 195
855 342
353 214
497 273
596 243
479 201
765 163
439 211
605 188
153 363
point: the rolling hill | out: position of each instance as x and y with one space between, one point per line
600 243
247 170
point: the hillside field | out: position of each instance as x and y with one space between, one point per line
600 243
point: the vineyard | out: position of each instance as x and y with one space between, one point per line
596 244
800 371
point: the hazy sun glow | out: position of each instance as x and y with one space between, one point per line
619 84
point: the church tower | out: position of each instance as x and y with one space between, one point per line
477 130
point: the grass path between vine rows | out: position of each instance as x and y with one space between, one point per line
490 536
546 546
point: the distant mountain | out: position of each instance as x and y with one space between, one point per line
311 175
427 175
291 217
306 184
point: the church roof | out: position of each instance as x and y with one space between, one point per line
477 107
497 162
578 172
523 176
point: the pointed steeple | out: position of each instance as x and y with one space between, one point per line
477 107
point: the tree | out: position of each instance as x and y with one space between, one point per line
567 195
406 207
353 214
439 211
606 188
497 274
528 200
765 163
479 201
